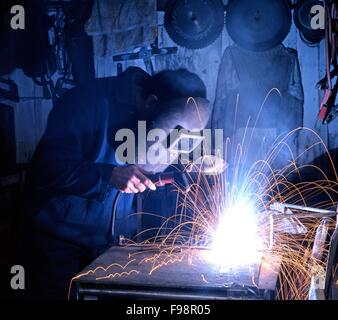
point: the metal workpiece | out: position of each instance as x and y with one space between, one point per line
169 273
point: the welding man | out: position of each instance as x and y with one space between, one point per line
74 177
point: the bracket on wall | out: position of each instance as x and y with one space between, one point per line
145 54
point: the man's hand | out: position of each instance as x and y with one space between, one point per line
130 179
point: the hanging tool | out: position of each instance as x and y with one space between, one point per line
258 25
302 17
328 109
194 24
146 54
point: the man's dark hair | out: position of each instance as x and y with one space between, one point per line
174 84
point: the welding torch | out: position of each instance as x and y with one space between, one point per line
207 165
169 178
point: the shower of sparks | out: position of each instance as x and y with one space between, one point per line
233 220
105 269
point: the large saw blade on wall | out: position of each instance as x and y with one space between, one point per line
194 24
258 25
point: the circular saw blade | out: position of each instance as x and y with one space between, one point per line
194 24
258 25
302 17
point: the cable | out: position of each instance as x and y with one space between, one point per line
114 208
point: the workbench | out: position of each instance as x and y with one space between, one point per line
166 273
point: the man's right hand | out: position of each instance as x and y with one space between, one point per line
130 179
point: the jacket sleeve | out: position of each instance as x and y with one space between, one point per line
63 161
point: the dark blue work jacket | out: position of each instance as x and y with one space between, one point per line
68 194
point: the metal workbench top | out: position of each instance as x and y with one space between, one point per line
150 272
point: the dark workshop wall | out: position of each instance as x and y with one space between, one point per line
32 111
